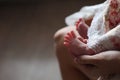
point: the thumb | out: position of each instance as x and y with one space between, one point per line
87 59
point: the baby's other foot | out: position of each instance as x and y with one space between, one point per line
77 46
82 28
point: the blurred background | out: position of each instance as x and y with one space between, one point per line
26 37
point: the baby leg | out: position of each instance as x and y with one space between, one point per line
76 45
109 41
82 28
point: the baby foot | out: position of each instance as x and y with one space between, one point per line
77 46
82 28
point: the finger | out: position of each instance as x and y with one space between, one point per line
87 67
87 59
94 59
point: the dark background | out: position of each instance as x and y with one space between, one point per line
26 37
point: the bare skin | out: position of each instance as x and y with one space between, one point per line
69 69
75 44
88 67
82 28
78 44
102 63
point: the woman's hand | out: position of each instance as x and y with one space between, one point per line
104 63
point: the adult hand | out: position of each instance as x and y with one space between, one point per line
104 63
